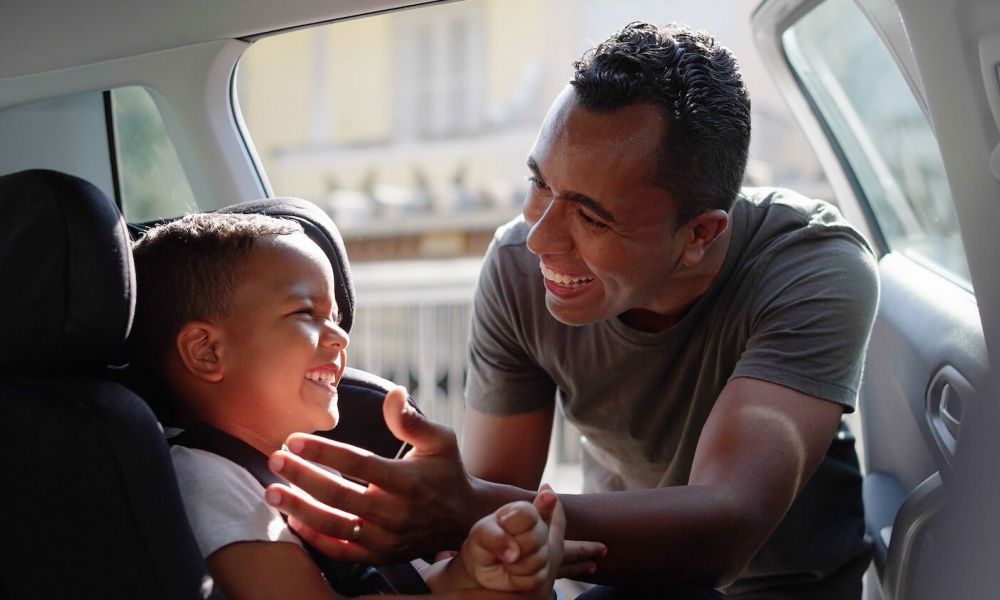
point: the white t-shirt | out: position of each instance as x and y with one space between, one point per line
224 503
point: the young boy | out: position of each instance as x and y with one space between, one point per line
237 327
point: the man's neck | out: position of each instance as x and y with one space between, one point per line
686 290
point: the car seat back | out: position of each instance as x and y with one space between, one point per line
91 507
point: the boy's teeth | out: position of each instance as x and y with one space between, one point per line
322 376
562 279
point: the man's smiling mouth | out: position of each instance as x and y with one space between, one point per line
563 279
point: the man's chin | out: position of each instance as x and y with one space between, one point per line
572 316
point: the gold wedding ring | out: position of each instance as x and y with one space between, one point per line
356 532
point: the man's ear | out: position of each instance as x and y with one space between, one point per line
200 350
702 231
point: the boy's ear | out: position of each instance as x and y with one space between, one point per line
200 350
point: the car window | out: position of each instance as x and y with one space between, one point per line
151 180
883 135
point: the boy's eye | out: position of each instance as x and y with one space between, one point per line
591 222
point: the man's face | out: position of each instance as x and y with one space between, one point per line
602 229
284 351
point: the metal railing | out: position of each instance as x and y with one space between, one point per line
412 327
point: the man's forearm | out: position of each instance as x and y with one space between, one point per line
676 534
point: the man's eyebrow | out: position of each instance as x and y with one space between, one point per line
593 205
533 166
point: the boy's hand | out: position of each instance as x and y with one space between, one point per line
518 548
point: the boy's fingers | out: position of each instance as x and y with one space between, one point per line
529 563
491 536
517 517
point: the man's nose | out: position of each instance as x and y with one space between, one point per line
549 232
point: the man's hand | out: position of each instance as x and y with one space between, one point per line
411 507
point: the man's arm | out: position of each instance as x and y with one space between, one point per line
759 446
509 449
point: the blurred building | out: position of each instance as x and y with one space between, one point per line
412 128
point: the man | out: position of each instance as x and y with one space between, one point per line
706 341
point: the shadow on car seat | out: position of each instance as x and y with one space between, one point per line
90 503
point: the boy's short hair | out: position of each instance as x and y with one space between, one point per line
188 269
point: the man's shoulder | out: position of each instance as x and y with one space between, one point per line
790 208
780 216
508 255
513 233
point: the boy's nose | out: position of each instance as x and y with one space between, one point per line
335 337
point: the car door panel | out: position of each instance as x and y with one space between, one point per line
927 360
927 346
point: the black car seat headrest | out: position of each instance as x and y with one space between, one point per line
317 225
67 274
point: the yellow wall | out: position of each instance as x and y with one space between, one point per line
360 82
515 33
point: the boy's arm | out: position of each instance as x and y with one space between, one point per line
267 570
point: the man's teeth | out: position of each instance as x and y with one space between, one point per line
564 279
322 376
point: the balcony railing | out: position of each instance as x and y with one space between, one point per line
412 327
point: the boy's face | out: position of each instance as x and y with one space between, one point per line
282 348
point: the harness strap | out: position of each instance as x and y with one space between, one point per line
348 579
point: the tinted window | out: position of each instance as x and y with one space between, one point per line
882 132
151 179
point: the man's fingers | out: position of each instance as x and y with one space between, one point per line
407 424
335 548
351 461
302 507
576 570
575 551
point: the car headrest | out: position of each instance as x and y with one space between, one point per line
67 273
317 225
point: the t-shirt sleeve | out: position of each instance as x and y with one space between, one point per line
503 376
812 317
224 503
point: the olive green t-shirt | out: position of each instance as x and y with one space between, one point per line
793 305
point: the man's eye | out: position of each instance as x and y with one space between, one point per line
591 222
538 183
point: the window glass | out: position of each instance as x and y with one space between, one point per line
883 134
151 179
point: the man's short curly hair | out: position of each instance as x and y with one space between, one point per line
698 84
188 269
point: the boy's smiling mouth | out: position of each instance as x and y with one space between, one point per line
326 376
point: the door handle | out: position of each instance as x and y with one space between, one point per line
947 396
951 410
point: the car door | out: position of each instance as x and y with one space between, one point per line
900 100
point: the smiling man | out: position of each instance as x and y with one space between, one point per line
706 341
